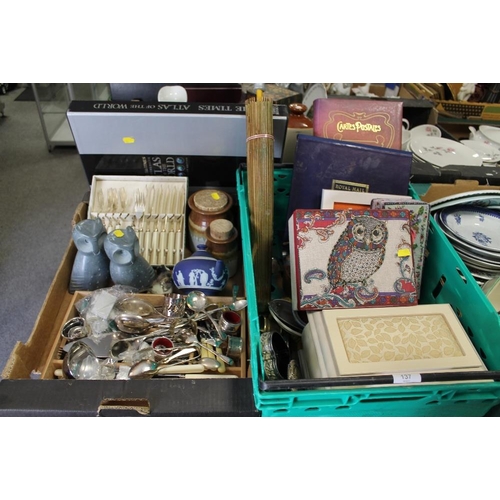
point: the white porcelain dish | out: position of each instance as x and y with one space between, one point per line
426 130
476 135
476 264
484 198
491 133
315 91
488 153
442 152
480 228
470 250
481 256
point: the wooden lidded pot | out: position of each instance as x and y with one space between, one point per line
206 206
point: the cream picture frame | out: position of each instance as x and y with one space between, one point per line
423 338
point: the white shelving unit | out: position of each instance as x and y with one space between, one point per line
52 100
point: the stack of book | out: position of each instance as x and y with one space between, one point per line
346 251
357 239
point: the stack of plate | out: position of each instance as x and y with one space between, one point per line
471 221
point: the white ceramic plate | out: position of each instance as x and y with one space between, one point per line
483 275
468 249
487 152
426 130
479 228
481 266
475 257
491 133
315 91
483 199
442 152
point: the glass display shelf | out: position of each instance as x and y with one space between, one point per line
53 99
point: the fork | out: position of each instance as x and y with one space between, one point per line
140 204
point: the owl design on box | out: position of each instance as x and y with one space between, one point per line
359 252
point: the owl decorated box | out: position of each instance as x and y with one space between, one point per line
351 259
419 228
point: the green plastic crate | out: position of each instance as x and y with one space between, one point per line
445 280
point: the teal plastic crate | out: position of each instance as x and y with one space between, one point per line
445 280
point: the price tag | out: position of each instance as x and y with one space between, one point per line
404 252
407 378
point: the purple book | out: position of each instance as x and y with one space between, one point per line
322 163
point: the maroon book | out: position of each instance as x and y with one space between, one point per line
373 122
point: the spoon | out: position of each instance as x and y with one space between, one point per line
192 339
237 305
147 368
205 364
132 323
80 362
137 306
197 301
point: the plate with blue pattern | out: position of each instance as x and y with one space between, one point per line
478 227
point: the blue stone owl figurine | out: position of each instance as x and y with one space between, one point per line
127 266
91 265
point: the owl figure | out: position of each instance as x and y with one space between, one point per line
359 252
91 265
127 266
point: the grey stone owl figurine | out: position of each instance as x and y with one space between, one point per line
91 266
127 266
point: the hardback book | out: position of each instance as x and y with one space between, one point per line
419 229
330 164
350 258
353 200
368 121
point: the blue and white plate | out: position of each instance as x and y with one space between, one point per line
480 228
482 198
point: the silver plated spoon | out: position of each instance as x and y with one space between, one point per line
192 339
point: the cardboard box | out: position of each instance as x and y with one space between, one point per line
25 392
54 360
436 191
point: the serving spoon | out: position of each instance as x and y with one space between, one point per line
137 306
148 368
